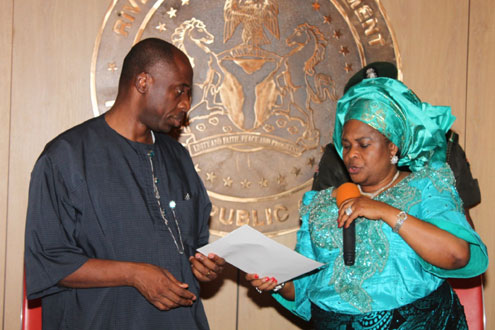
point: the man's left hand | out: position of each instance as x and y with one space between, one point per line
206 268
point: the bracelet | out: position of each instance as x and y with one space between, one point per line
401 218
278 287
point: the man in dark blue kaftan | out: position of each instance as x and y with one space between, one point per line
116 211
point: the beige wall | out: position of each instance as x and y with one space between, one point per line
446 46
5 88
480 130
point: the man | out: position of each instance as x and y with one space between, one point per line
116 210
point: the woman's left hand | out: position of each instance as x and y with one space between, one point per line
363 206
436 246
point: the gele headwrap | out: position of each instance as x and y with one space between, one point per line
416 128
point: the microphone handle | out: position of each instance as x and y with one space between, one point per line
349 238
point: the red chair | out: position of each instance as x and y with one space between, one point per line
31 311
470 293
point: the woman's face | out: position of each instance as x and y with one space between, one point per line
367 153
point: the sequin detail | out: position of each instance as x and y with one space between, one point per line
372 245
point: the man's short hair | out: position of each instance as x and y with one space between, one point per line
143 56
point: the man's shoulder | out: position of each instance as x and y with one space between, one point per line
69 147
72 137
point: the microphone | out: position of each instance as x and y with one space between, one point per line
344 192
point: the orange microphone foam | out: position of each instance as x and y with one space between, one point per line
345 191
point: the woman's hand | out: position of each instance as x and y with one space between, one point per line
265 284
262 284
436 246
364 207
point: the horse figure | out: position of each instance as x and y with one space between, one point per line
308 41
222 92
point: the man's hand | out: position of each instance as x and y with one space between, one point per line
156 284
206 268
161 288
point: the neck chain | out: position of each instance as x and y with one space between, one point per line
376 193
162 212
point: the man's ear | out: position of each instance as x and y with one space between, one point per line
142 82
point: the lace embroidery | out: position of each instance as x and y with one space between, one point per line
372 245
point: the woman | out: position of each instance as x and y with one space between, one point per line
411 232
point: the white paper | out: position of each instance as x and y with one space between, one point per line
254 253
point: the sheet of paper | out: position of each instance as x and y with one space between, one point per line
252 252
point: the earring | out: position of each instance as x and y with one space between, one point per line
394 160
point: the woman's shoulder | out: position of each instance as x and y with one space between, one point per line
436 179
311 195
438 172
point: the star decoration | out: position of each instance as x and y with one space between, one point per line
211 177
316 6
227 182
281 179
337 34
344 50
112 67
185 2
348 67
245 183
172 12
161 27
311 161
327 19
196 167
296 171
263 182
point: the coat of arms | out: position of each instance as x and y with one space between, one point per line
267 76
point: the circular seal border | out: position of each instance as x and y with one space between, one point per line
138 35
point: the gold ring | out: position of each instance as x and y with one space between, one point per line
208 274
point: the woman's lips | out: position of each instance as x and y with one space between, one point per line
353 169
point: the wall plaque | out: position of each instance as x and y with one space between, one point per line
267 75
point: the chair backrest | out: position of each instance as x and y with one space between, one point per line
470 293
31 311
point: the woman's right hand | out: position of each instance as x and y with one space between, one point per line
267 284
262 284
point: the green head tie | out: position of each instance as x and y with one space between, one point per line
387 105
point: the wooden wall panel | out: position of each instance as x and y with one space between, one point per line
52 50
432 38
480 131
220 298
261 311
5 83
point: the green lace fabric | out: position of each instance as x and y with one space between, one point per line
372 237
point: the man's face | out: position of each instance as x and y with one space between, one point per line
168 98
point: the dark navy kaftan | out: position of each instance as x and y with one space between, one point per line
91 196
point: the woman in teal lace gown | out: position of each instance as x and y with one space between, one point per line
411 232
